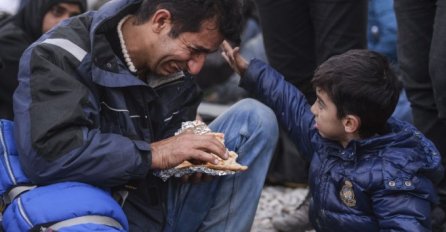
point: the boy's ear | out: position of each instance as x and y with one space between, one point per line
351 123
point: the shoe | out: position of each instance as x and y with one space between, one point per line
296 220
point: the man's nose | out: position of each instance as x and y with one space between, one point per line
195 64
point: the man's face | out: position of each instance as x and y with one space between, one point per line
327 122
187 52
57 13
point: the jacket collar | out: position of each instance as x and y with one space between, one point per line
108 70
399 132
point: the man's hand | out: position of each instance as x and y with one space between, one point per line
233 57
172 151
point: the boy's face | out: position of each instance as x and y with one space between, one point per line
326 120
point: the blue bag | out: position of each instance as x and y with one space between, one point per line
63 207
10 172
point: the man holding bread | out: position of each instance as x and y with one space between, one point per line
101 96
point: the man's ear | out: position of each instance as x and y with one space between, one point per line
351 123
161 19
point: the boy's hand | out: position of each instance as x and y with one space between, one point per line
233 57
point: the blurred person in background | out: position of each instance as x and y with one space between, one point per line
21 30
9 6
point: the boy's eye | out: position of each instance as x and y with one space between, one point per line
320 104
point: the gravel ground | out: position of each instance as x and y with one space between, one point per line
272 201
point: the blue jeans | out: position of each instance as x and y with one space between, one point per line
228 203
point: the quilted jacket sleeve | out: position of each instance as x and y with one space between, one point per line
289 104
56 135
401 210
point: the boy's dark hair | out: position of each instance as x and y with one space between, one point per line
362 83
187 15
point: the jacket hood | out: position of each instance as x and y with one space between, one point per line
110 14
104 20
401 134
404 148
30 17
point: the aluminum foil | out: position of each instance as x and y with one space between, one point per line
197 127
200 128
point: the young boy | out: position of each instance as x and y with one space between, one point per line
368 172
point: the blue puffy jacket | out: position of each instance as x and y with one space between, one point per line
383 183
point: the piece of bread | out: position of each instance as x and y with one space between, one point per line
225 165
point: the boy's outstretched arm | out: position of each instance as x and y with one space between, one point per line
233 57
267 85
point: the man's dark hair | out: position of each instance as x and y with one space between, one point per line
188 15
362 83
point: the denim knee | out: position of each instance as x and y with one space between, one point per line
263 114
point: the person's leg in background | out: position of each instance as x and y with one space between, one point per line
339 26
422 59
229 203
289 40
415 28
437 72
